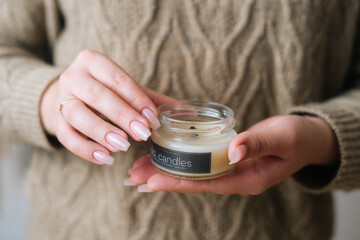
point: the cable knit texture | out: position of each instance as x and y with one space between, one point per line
261 58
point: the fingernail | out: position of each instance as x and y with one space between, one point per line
237 154
117 141
130 170
128 182
140 130
143 188
150 115
103 157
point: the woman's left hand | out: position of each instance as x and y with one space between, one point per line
266 154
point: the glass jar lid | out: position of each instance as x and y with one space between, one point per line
196 117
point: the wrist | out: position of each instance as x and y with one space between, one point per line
47 107
329 152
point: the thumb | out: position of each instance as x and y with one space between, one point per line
158 98
256 143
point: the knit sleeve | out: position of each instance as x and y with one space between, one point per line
342 113
25 69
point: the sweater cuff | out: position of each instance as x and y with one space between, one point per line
346 173
25 113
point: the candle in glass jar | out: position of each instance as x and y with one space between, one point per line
193 139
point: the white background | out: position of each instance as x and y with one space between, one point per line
14 206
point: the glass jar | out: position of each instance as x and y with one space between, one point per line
193 139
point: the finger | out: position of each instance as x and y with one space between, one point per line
157 181
163 182
256 143
84 148
141 174
237 154
115 78
144 170
253 177
105 101
158 98
142 161
88 123
249 177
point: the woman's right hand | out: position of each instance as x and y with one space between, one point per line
92 88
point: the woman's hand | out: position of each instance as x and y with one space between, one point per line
266 154
92 89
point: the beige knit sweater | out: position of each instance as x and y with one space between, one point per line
259 57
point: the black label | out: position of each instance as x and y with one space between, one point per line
184 162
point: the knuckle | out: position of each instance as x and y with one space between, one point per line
64 78
82 150
123 114
69 114
119 77
86 54
139 101
260 143
98 130
94 92
62 137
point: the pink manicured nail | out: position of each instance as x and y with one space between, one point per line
140 130
130 170
117 141
103 157
128 182
237 154
149 115
143 188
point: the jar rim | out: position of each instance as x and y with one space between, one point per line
208 116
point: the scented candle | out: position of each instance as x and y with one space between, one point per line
193 139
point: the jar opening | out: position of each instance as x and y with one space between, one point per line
197 117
